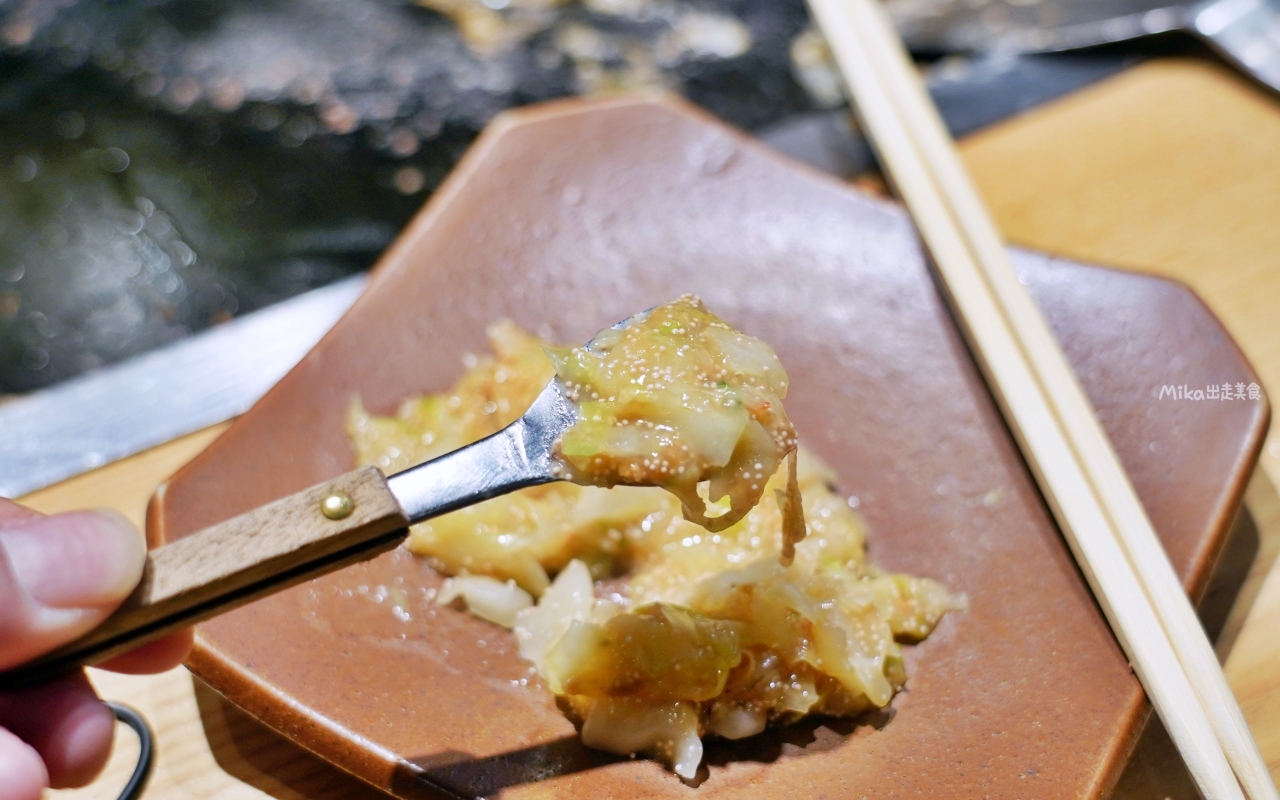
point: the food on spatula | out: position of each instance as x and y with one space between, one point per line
677 398
711 631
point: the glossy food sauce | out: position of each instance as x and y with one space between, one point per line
719 628
677 398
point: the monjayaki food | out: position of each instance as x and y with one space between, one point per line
677 398
747 598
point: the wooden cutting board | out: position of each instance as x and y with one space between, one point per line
1169 168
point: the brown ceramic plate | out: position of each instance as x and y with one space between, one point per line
568 217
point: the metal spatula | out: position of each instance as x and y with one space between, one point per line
316 531
1247 32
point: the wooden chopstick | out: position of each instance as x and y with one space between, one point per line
1102 466
1110 481
1079 473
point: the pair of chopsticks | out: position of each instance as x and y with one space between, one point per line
1070 455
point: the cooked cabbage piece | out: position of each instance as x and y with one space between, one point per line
487 598
659 651
676 398
712 632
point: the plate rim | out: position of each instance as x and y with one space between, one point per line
311 730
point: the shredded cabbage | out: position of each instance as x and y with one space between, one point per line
715 632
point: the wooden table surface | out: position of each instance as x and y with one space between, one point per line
1171 168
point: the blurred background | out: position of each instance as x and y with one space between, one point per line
167 166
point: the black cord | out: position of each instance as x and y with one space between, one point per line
146 750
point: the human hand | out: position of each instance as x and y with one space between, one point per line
60 576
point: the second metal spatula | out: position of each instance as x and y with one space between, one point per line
1246 32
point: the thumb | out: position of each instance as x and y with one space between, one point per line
61 576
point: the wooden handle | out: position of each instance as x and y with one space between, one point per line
313 532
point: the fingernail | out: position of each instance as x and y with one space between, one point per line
82 559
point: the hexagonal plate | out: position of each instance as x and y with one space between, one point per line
569 217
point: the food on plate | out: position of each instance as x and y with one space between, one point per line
720 631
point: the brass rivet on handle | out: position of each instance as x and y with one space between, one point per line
337 506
